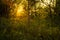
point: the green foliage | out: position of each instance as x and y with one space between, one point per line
43 25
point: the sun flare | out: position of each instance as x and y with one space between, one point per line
19 10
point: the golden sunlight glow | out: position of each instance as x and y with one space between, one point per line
19 10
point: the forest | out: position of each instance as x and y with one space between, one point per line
29 19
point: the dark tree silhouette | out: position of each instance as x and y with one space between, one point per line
4 10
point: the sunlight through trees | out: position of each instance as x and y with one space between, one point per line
29 19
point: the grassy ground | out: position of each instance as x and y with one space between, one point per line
39 29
